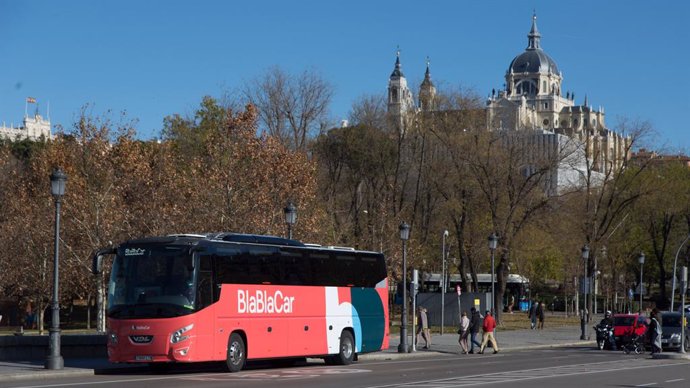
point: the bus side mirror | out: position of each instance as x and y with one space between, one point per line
97 265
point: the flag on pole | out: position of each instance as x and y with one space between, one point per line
30 100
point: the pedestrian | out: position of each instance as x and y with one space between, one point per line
423 328
475 324
540 315
655 332
30 318
488 327
464 331
533 314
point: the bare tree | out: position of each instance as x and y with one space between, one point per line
369 111
291 107
611 188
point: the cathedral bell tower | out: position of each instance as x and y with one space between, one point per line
400 100
427 92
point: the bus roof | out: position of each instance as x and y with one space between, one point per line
195 238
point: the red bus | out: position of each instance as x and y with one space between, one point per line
237 297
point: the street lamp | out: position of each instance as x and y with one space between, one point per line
585 316
290 217
683 287
404 236
443 278
595 275
640 259
673 287
54 359
493 242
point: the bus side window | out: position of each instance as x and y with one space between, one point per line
206 293
347 274
323 269
373 270
297 268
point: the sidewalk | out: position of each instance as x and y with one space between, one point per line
507 341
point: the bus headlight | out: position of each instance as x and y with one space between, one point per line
178 335
113 338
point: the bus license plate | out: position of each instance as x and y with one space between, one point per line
143 358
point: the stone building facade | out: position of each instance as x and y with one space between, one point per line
33 128
533 100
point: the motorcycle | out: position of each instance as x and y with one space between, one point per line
604 335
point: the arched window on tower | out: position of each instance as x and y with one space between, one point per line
526 87
394 95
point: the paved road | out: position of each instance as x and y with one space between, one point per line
561 367
550 357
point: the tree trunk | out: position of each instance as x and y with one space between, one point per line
100 326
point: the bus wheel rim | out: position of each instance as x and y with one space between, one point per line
347 349
235 353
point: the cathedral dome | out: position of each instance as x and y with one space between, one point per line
534 59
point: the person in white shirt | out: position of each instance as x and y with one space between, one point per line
464 331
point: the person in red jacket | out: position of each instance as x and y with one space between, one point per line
489 326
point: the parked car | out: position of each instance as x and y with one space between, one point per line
671 327
628 325
686 308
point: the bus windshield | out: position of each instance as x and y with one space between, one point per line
151 281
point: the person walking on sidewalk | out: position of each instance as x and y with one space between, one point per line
540 315
489 327
655 331
464 331
423 328
475 323
533 314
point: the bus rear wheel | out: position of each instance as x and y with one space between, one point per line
346 354
237 353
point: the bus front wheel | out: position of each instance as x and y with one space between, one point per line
237 353
346 354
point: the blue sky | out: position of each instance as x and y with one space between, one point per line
156 58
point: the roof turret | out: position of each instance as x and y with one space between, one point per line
533 59
427 76
534 37
397 71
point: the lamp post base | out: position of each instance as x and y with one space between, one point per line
54 362
403 347
54 359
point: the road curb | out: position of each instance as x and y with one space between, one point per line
45 374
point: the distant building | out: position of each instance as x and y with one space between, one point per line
655 159
533 100
33 128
